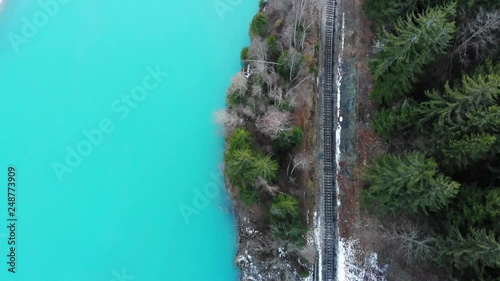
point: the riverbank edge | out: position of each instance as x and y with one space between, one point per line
246 228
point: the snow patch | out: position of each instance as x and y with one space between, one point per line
354 265
319 244
338 82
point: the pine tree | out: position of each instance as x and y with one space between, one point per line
476 207
415 43
459 153
479 249
385 12
265 167
475 94
285 219
409 184
239 139
239 165
464 120
398 119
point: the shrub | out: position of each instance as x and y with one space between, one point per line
244 53
248 195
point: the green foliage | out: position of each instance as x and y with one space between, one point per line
239 164
265 167
388 122
244 54
475 207
459 153
261 4
289 64
478 249
274 49
284 106
458 122
278 24
477 4
464 120
415 43
239 139
244 166
257 79
234 99
460 104
248 195
288 139
285 219
409 184
385 12
259 25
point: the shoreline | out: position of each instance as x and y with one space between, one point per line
266 251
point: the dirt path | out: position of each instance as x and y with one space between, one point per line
357 258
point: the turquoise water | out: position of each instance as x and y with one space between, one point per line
116 161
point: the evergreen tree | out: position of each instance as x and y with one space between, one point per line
265 167
285 219
408 184
476 207
288 139
479 249
388 122
415 43
239 139
459 153
385 12
239 165
259 25
464 120
456 105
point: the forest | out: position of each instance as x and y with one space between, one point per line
269 157
436 82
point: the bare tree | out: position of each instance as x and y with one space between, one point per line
271 79
276 94
295 92
264 185
273 123
478 37
259 67
301 161
230 120
412 241
295 63
301 15
258 50
256 91
238 85
247 112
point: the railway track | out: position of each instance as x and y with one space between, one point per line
329 257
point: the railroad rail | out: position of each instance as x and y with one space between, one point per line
330 242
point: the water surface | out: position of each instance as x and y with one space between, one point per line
113 212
